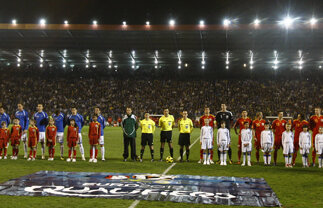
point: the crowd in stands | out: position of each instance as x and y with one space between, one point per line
152 95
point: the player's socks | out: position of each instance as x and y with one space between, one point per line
161 153
25 148
244 158
286 159
201 154
208 156
171 151
187 154
313 156
91 153
224 157
289 159
141 153
74 154
152 153
219 155
275 156
34 154
204 156
211 150
96 153
230 153
269 159
257 155
69 153
248 156
62 150
181 153
81 149
102 152
320 161
31 153
53 152
265 159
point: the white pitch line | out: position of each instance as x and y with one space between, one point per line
136 202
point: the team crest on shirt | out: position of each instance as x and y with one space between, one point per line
149 126
17 129
53 129
257 124
74 129
34 130
283 124
262 124
169 123
186 126
316 120
321 120
96 126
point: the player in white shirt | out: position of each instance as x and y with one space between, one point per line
267 143
246 143
288 145
305 145
223 142
319 145
206 141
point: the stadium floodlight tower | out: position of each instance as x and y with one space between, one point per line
202 23
147 23
287 22
172 22
95 23
203 60
251 62
313 21
256 22
65 22
226 22
42 22
227 55
179 56
300 61
276 62
14 22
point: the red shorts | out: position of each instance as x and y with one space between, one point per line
94 140
15 141
52 143
3 143
32 142
278 143
71 142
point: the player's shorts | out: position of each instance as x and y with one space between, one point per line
247 148
223 146
278 143
305 149
101 140
50 144
42 136
184 139
320 149
94 140
15 142
207 143
288 148
166 136
3 143
24 137
147 139
267 147
80 138
60 137
71 142
32 142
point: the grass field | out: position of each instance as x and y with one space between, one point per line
297 187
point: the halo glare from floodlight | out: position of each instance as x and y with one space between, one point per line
172 22
226 22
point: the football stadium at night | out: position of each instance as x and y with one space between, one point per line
161 103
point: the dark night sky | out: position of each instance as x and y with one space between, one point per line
157 11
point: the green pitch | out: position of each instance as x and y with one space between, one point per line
295 187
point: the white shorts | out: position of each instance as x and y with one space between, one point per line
101 140
42 136
247 148
60 137
268 147
207 144
288 148
223 146
305 149
24 137
80 138
320 149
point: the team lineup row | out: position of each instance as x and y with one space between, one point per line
47 130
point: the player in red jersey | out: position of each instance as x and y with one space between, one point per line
94 135
72 139
4 136
298 127
240 122
315 122
211 119
33 138
15 136
258 126
278 127
51 132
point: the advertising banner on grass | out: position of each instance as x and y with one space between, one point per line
175 188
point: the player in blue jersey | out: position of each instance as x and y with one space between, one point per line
79 120
101 120
41 119
60 123
23 118
4 117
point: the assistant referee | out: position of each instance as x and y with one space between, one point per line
185 126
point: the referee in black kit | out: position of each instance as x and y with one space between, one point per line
227 117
